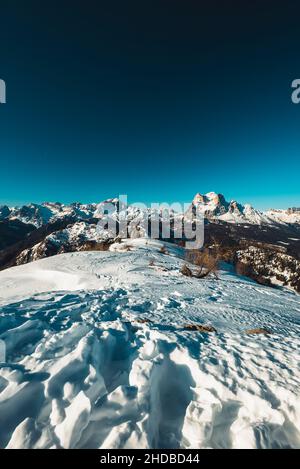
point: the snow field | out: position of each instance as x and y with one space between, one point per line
97 355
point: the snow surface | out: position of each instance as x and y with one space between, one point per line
98 356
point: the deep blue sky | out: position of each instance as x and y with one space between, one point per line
155 99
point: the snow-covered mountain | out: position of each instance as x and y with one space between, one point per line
102 351
37 231
291 215
79 236
213 206
40 214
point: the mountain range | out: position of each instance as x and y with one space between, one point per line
214 206
264 245
148 344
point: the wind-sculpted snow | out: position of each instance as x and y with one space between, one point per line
108 362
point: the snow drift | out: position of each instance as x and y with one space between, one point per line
98 355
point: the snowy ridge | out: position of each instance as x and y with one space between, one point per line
285 216
98 355
72 238
213 206
40 214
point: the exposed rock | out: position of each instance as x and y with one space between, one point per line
259 330
13 231
4 212
199 328
143 320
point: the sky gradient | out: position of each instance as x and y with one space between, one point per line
156 99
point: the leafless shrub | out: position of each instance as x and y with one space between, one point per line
185 270
94 246
242 269
227 254
163 250
206 262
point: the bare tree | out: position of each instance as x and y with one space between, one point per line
206 262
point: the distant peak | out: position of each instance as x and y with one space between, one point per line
198 199
209 197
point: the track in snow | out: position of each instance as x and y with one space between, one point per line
82 372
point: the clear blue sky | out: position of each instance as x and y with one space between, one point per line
157 100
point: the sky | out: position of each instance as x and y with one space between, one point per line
158 100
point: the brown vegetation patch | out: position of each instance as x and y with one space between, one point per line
163 250
95 246
259 330
206 261
143 320
199 328
185 270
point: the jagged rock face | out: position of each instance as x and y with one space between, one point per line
212 200
198 199
41 214
4 212
215 207
39 251
77 237
12 231
234 207
293 210
212 205
219 200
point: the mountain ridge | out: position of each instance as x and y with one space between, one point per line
263 245
212 205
